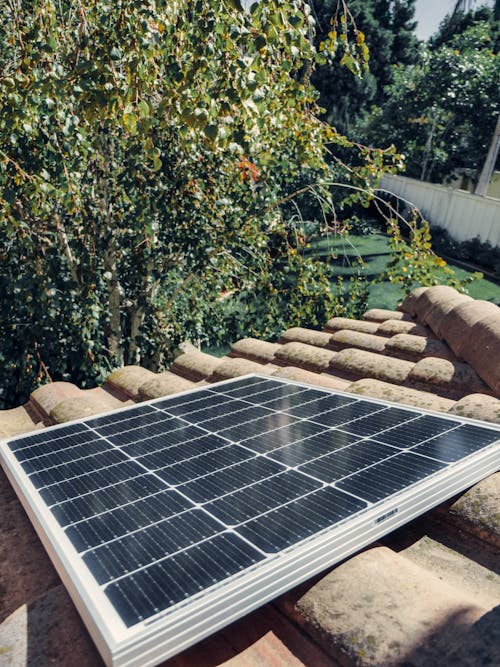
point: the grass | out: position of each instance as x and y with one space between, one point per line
345 254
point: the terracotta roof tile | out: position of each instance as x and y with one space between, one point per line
255 350
381 315
305 356
231 368
359 363
454 379
393 392
364 341
163 384
195 365
436 316
339 323
46 397
319 379
481 349
393 327
91 402
18 420
430 297
462 318
128 379
380 608
308 336
413 348
410 302
479 509
478 406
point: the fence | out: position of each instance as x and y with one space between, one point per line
462 214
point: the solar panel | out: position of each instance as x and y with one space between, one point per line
170 519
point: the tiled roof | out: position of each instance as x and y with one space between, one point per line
427 597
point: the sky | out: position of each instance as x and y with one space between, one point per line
430 13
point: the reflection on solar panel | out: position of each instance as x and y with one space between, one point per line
171 519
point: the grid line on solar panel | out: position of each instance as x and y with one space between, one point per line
116 522
106 498
286 403
257 499
269 422
78 486
300 519
348 460
417 431
159 427
347 413
229 479
378 422
68 471
245 418
57 444
116 417
62 456
167 403
156 587
212 401
324 404
390 476
156 543
183 451
132 422
284 391
101 527
203 465
457 443
314 447
279 437
240 388
46 436
157 442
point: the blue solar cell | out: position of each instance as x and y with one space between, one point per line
136 550
112 523
326 442
284 435
229 479
181 576
203 464
292 523
258 498
112 496
415 431
388 477
379 421
350 459
458 443
263 423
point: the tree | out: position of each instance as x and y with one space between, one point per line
388 30
441 112
146 149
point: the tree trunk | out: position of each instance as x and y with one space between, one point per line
489 164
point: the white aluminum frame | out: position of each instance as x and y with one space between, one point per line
168 633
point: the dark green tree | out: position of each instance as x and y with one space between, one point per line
387 26
442 111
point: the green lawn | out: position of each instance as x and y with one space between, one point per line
374 250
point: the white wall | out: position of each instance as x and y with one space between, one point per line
462 214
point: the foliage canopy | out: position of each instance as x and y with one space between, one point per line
146 148
442 111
